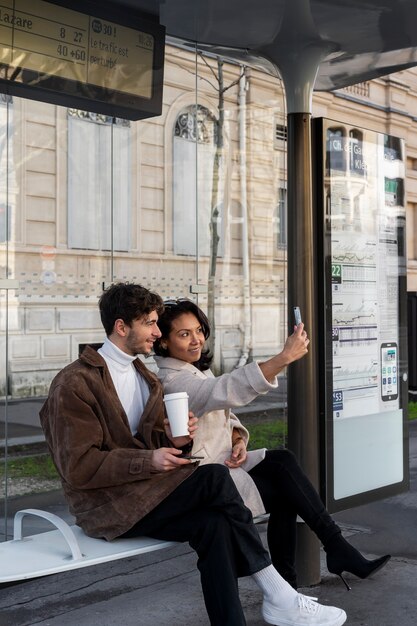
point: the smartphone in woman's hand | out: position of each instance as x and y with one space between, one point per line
297 315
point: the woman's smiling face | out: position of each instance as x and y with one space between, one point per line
186 338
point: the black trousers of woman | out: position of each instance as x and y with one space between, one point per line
207 511
287 492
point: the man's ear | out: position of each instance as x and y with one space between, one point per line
120 328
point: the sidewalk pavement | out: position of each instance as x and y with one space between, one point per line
163 588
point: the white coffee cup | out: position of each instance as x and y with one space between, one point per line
176 405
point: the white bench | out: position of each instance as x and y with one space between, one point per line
65 548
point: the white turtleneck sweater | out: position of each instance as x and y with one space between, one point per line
131 388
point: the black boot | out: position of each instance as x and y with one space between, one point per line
343 557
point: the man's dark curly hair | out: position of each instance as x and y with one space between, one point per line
173 309
128 302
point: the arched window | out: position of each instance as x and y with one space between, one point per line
193 160
196 123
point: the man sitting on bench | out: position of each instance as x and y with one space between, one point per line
123 475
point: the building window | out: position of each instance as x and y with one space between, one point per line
5 222
280 220
8 185
394 191
196 123
411 230
392 148
194 148
281 135
335 150
99 196
356 156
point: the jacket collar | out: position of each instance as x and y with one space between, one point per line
169 363
90 356
166 363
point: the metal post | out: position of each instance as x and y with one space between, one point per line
298 65
303 409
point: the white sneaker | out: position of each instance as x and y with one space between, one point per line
305 612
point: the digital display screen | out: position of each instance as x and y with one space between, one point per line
46 47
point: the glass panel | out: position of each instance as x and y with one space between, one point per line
8 312
190 204
61 187
245 271
242 246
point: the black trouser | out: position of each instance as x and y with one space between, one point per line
207 511
287 492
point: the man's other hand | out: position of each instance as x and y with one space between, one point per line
166 459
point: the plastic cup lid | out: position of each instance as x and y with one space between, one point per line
176 396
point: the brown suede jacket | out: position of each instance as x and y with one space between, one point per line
105 470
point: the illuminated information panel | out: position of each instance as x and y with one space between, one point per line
55 48
362 227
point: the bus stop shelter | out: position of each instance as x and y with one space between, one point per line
312 45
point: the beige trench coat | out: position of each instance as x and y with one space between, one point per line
211 399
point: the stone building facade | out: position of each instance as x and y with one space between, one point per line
86 199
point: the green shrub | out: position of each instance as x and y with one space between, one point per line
267 434
39 466
412 410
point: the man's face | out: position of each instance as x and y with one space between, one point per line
141 335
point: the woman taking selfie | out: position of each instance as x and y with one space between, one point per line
268 480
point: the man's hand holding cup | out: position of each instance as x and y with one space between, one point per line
181 425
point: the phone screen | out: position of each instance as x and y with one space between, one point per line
389 371
297 315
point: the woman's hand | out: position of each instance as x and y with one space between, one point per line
295 348
238 455
182 441
296 345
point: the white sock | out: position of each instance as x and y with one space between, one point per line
274 588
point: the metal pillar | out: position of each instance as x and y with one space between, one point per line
303 409
298 65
